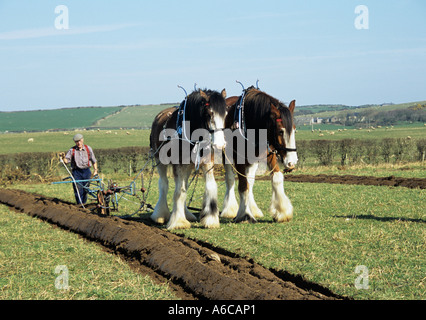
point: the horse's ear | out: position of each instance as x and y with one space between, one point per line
223 93
292 106
203 94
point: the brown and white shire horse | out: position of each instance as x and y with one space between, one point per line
260 111
171 144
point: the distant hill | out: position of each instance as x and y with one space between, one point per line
379 115
57 119
138 117
141 117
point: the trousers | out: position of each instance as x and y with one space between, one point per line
81 190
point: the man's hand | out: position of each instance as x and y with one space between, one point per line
62 156
95 167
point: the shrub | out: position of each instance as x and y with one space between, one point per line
324 150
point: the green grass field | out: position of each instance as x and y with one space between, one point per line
341 112
335 229
142 117
62 141
332 132
139 117
106 139
133 117
31 250
43 120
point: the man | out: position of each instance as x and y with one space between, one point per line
81 158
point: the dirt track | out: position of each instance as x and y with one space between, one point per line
196 271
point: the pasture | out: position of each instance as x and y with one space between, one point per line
140 117
69 118
61 141
107 139
335 229
29 258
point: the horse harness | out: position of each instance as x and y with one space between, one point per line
181 118
239 123
276 145
181 132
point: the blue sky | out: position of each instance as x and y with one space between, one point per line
137 52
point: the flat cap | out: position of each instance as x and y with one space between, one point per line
78 137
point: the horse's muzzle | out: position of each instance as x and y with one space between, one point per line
219 141
289 168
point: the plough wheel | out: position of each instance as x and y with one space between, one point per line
103 206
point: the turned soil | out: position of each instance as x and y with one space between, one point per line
194 270
390 181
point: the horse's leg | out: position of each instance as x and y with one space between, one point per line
281 207
230 204
210 213
178 219
244 211
188 214
161 212
257 213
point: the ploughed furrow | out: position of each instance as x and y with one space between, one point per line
201 271
391 181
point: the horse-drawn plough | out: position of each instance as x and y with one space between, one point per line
211 119
108 196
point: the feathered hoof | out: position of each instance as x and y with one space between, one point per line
230 210
210 222
281 217
229 213
178 224
256 212
160 218
246 218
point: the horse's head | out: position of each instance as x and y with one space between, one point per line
283 139
213 114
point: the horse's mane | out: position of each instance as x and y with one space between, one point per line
196 102
257 110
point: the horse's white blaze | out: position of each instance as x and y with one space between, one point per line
290 142
219 136
281 207
230 204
